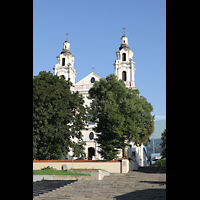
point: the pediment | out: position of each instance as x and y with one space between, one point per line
88 80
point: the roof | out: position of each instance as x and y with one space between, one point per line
123 36
87 80
124 46
67 51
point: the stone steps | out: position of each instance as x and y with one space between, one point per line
152 169
45 186
115 186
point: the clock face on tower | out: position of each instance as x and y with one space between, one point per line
92 80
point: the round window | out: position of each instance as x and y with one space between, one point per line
92 80
91 135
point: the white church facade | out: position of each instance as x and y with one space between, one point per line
125 70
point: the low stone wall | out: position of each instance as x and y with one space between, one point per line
95 174
102 174
60 177
41 177
111 166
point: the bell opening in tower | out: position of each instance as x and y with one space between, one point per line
124 75
124 57
63 61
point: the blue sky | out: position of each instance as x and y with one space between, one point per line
95 29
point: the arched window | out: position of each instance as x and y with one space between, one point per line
124 75
63 61
124 57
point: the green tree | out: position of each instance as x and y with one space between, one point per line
163 144
58 117
121 116
139 123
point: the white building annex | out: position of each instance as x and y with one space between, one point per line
125 70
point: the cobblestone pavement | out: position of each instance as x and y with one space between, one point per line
131 186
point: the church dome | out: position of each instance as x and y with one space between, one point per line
124 43
66 48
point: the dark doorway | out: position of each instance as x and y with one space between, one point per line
91 152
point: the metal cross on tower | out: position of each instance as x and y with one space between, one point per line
124 28
67 36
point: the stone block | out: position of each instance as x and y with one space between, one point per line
64 167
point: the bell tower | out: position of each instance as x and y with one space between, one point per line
124 65
65 65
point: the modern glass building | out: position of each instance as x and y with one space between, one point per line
154 147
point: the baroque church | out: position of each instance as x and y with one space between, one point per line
125 70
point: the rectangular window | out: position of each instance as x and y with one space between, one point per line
124 75
63 61
124 57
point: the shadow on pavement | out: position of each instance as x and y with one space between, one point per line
44 186
149 194
152 170
155 182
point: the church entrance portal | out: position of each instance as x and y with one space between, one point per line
91 152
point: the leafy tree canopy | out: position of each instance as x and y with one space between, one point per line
58 117
163 144
121 116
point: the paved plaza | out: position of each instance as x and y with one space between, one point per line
131 186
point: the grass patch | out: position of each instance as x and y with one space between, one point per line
56 172
87 169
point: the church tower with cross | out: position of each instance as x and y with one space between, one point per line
124 65
65 65
124 70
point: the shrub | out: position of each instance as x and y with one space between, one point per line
161 161
48 167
